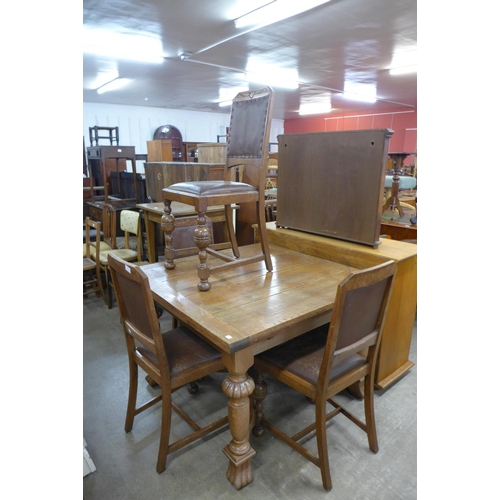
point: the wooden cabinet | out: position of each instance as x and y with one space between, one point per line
161 150
393 360
163 174
103 160
212 152
190 151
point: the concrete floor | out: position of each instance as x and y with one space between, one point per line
126 463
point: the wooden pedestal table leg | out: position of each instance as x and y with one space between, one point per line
393 201
167 226
238 387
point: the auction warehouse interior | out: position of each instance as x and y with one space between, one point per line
250 249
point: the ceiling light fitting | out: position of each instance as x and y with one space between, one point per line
403 70
275 11
364 92
115 84
185 55
314 109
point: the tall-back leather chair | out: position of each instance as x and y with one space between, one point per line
329 359
171 360
247 149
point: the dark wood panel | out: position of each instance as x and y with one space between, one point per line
332 183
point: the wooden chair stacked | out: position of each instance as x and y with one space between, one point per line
329 359
130 224
172 359
91 271
247 149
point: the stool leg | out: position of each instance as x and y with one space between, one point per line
261 226
202 241
230 230
168 226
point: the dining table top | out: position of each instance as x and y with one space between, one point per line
246 305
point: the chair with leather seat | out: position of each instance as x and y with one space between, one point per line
172 359
247 149
91 269
329 359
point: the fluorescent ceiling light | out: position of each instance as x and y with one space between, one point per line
115 84
403 70
268 74
404 61
104 77
276 11
316 104
129 46
314 109
364 92
271 80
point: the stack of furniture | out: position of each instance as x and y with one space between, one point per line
111 134
106 159
166 144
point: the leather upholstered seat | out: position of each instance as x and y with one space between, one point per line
321 363
171 360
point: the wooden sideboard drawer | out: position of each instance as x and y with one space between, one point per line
95 213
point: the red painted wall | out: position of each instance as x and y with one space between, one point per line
403 123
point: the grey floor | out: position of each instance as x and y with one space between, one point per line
125 463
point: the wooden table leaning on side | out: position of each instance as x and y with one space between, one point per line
393 360
153 213
248 310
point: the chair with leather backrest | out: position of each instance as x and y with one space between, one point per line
329 359
131 227
247 149
172 359
91 269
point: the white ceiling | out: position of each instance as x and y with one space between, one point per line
341 40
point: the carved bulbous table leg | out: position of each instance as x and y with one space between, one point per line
238 387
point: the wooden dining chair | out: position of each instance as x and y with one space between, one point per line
91 236
131 227
91 270
247 149
172 359
329 359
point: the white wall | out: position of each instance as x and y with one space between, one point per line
137 124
